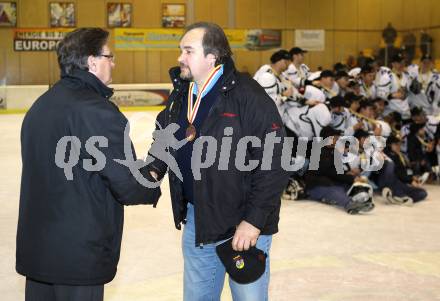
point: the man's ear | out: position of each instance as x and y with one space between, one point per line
212 58
91 62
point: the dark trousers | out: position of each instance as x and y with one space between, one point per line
40 291
387 178
336 195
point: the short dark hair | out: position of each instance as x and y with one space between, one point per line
214 41
78 45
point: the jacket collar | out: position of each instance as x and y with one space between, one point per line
228 80
87 79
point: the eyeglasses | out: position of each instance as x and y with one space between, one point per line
110 56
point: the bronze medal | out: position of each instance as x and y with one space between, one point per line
193 107
190 133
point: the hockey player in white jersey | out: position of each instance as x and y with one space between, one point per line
345 121
340 86
421 76
431 127
297 72
307 121
270 77
393 85
366 81
325 82
433 93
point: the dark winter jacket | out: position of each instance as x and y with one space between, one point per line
69 231
223 198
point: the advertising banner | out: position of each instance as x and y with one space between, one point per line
136 39
38 39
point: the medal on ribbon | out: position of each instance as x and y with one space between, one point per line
193 108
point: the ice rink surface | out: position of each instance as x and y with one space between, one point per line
320 254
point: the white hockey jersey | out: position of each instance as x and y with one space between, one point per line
297 75
387 83
273 85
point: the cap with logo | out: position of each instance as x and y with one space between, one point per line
242 266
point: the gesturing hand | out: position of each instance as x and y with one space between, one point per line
245 236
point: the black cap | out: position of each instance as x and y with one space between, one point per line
365 103
242 266
339 67
369 61
426 57
337 101
379 99
296 50
397 58
326 73
350 97
341 73
358 134
328 131
367 69
280 55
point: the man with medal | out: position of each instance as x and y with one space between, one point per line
214 103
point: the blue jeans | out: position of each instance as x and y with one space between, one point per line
387 178
334 194
204 274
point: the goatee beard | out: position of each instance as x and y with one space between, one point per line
187 76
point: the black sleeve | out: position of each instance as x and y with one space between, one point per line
261 118
415 152
102 118
157 165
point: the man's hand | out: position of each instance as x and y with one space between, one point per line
415 182
245 236
354 172
398 94
377 130
154 175
288 92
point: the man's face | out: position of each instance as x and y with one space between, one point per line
327 82
354 106
194 65
343 82
337 110
298 58
367 112
419 119
379 106
101 66
284 64
368 78
427 64
399 66
395 147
